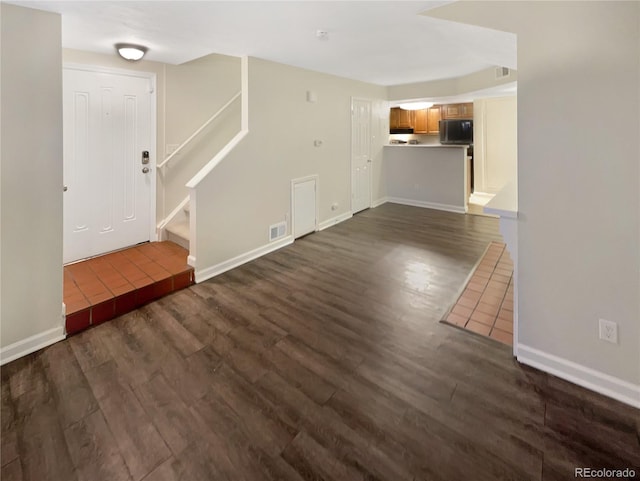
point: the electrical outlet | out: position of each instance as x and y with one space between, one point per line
608 331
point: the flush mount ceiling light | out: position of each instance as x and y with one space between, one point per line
130 51
416 105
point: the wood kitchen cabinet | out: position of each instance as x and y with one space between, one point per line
427 121
400 119
420 122
457 111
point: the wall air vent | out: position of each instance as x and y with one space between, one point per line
276 231
502 72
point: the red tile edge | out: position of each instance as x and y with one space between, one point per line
162 288
126 303
144 295
111 308
182 280
102 312
78 321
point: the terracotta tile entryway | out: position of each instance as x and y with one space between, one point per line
486 304
108 286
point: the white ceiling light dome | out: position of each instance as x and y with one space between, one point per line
130 51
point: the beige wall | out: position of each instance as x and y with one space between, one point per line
579 182
578 179
194 92
452 87
31 176
250 189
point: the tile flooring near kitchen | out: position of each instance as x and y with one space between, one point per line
486 304
104 287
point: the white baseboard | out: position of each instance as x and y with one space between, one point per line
458 209
379 202
209 272
31 344
597 381
191 260
335 220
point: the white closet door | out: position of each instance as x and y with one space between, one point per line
304 208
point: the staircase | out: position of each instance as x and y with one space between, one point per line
177 225
179 229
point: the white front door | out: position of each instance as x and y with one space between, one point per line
108 125
360 155
304 207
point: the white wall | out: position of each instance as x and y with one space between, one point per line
31 179
250 189
427 176
578 183
495 138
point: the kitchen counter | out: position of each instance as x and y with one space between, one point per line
431 176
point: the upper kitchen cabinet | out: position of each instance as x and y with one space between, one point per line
420 122
401 119
427 121
457 111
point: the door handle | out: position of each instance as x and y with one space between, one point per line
145 170
65 188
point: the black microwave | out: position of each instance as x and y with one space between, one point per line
456 131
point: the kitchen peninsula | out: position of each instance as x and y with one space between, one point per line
433 176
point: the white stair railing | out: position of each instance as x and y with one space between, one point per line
169 218
200 129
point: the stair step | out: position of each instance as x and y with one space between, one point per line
179 233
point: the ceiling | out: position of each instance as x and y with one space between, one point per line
381 42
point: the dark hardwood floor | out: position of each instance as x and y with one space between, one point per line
322 361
